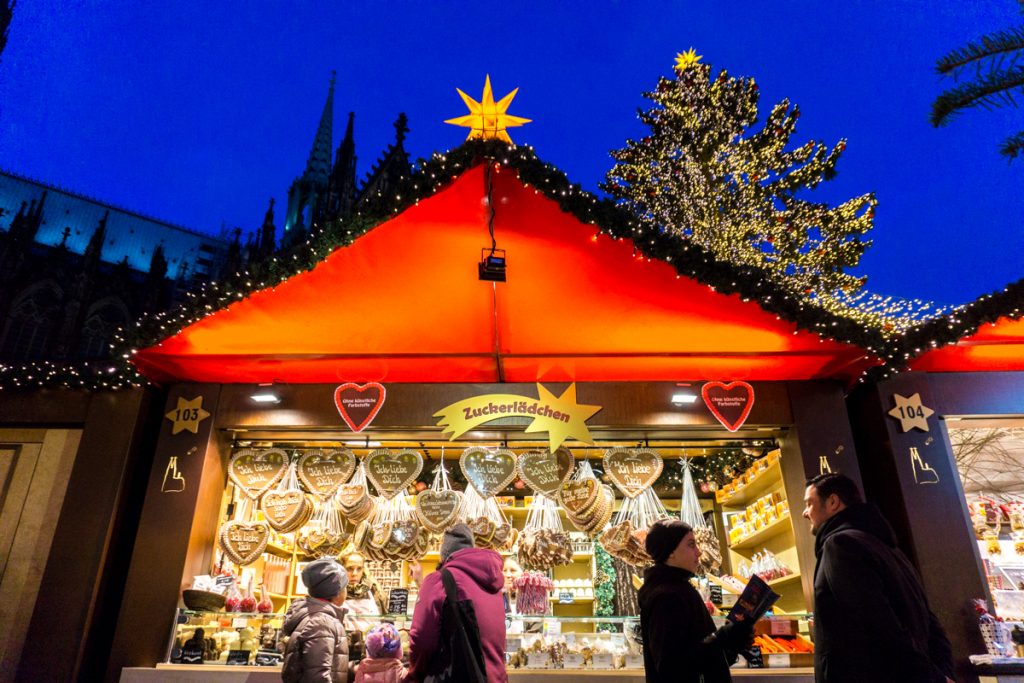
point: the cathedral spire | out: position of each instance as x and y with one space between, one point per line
318 167
95 248
267 231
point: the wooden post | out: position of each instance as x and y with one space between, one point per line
186 471
911 475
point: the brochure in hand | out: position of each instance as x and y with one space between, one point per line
756 599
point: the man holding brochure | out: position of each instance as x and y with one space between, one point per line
681 644
871 618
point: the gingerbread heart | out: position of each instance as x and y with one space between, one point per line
488 470
438 510
632 470
391 472
256 472
244 542
285 510
323 472
544 471
579 494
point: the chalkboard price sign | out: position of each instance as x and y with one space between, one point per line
192 655
238 658
398 601
716 594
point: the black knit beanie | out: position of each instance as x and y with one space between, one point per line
664 537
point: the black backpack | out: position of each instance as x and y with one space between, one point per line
459 658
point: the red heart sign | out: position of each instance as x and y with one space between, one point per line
729 403
358 405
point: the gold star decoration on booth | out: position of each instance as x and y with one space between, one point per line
684 60
187 415
911 413
488 119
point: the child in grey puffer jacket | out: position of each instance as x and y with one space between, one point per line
317 649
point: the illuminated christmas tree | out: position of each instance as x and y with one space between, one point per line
703 173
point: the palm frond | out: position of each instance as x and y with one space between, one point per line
1012 146
990 91
998 43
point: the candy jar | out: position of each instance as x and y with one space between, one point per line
264 605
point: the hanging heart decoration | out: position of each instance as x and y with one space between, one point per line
286 510
579 494
632 469
488 470
243 542
359 404
544 471
438 510
391 472
256 472
323 472
729 403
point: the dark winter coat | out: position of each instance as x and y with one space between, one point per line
871 617
478 577
317 649
675 625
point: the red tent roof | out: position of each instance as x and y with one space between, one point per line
993 347
403 304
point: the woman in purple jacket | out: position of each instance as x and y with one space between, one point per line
478 578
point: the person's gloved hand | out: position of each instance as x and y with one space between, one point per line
735 637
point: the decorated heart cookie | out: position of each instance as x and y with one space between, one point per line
391 472
544 471
285 510
488 470
632 469
438 510
256 472
243 542
323 472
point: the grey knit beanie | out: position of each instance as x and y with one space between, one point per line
458 537
324 578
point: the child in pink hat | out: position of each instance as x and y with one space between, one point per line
383 662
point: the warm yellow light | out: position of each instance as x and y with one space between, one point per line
487 119
684 60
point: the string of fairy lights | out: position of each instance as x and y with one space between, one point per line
871 331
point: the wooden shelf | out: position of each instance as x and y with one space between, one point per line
785 579
760 484
773 582
278 551
755 539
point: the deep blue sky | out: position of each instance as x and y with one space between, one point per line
197 113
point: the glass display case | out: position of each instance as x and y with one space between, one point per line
532 642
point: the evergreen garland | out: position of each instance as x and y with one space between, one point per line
604 588
688 258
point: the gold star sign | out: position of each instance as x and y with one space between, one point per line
910 412
684 60
187 415
487 119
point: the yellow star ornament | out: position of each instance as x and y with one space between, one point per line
187 415
684 60
488 119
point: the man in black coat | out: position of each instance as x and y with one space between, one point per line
680 642
871 617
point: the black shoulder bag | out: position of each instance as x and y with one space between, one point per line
459 657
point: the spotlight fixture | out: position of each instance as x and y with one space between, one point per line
682 398
492 265
265 394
